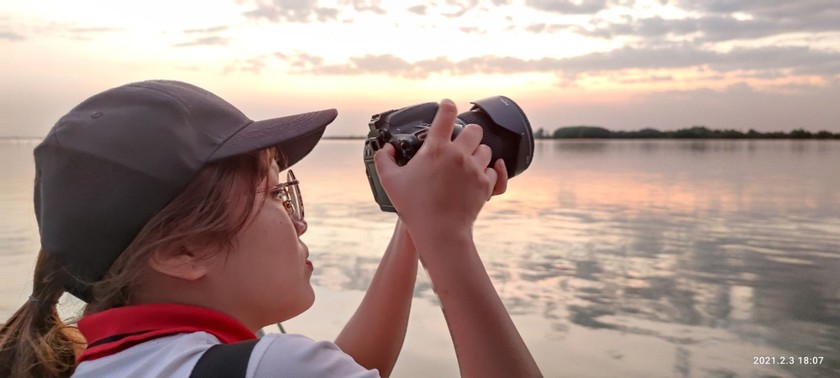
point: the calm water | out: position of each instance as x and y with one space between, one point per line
615 258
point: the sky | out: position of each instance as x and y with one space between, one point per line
625 65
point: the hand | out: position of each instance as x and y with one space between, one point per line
447 182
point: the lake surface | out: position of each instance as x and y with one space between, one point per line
651 258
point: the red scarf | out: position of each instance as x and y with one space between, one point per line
111 331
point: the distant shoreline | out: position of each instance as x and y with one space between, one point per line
597 132
346 137
696 132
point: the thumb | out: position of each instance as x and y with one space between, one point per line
385 159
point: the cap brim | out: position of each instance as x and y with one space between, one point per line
295 136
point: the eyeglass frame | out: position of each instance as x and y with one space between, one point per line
293 204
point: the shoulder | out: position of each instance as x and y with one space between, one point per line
300 356
170 356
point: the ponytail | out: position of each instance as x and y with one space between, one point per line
34 342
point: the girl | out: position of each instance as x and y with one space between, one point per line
164 208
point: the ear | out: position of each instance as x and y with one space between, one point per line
183 263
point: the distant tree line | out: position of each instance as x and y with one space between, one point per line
697 132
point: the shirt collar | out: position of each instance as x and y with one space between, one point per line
111 331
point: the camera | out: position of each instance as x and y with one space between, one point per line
506 131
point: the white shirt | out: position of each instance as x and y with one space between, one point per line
275 355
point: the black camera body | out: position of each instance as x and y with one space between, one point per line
506 131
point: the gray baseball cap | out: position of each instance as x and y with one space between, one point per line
121 156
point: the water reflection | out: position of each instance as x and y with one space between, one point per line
698 244
641 258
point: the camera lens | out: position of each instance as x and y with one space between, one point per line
506 131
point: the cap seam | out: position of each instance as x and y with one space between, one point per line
183 104
225 140
141 85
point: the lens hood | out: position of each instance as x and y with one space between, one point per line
506 113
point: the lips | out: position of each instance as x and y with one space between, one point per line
308 263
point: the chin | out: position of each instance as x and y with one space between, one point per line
310 299
304 303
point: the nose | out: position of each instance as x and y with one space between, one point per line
300 226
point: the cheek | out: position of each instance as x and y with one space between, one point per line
269 228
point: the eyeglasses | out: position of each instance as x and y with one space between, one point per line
289 193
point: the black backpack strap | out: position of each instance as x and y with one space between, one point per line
224 360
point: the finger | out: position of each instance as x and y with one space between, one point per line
493 179
469 138
483 155
501 177
384 160
443 123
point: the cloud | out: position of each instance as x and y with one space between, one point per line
204 41
214 29
304 11
800 60
738 107
210 36
367 6
567 6
291 11
780 10
418 10
94 30
11 36
253 65
546 28
648 79
461 7
300 60
716 21
471 30
754 61
81 33
63 30
383 64
387 64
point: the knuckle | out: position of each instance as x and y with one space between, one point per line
446 114
474 129
432 149
461 160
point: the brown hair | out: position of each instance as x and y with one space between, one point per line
35 342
